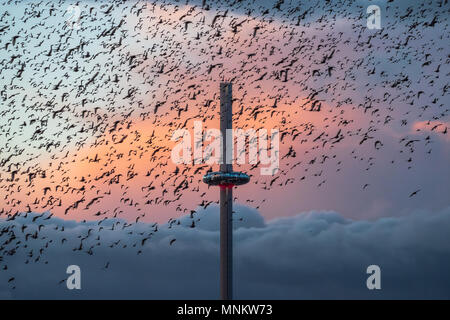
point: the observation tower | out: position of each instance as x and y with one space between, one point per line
226 179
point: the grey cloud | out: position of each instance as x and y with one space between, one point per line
311 255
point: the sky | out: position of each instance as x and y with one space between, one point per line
87 116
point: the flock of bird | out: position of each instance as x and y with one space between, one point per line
89 104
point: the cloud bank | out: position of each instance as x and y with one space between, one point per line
312 255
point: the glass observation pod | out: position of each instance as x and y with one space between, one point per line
226 178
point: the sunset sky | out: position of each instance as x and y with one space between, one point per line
87 115
73 143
